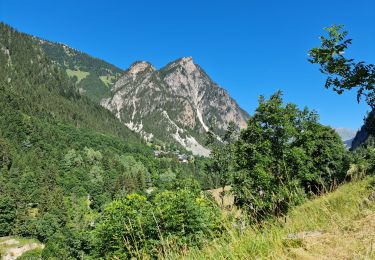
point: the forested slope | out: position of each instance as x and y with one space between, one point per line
63 157
93 77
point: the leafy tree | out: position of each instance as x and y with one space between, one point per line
5 154
185 218
92 156
7 215
121 231
72 159
343 73
166 179
44 227
67 244
282 154
220 164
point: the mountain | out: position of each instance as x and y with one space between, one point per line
347 135
34 86
177 103
172 106
63 157
93 77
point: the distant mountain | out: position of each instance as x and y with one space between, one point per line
93 77
349 142
175 104
347 135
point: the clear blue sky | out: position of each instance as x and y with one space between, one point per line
248 47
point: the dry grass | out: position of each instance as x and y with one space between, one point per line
228 197
338 225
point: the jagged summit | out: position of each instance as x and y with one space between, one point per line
174 104
185 63
140 66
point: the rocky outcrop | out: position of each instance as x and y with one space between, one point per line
174 104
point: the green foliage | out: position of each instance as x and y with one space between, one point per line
92 76
347 233
370 123
5 154
135 227
220 165
343 73
67 244
63 157
364 159
7 215
283 154
34 254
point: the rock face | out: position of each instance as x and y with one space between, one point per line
176 103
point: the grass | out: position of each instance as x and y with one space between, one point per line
227 200
108 80
338 225
79 74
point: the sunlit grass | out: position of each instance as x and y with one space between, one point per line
79 74
336 225
108 80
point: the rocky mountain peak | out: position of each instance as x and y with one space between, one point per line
174 104
140 66
183 64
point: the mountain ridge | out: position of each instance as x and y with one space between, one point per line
186 99
180 95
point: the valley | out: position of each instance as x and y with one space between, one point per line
161 162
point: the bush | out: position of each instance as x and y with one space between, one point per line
134 227
34 254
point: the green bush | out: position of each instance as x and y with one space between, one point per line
134 226
34 254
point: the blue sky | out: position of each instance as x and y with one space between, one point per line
248 47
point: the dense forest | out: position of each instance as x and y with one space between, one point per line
75 178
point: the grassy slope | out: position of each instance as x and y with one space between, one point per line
340 225
79 74
95 76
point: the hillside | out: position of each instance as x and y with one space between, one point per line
62 156
93 77
33 85
173 106
338 225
